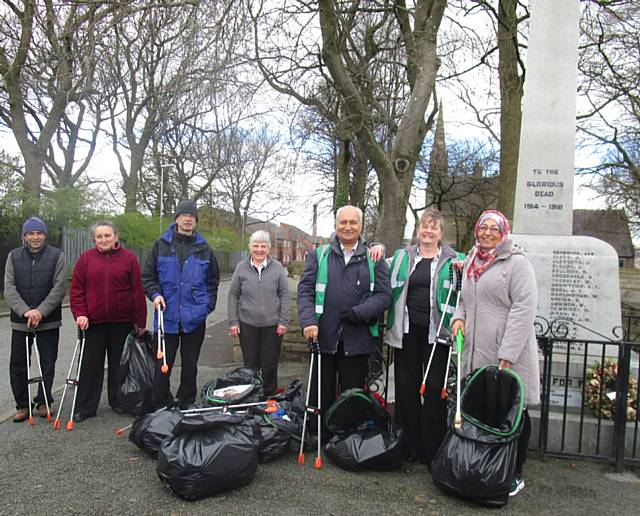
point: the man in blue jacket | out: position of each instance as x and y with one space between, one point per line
337 301
181 277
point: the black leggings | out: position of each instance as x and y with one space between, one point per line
100 339
424 421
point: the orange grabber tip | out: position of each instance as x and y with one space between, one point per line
160 355
31 420
423 388
443 394
49 417
120 431
56 424
318 462
69 426
301 458
164 368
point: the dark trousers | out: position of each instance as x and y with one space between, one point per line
523 443
48 346
260 351
339 373
99 339
189 344
424 421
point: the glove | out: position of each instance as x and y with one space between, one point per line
350 317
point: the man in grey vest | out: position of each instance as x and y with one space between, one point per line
34 285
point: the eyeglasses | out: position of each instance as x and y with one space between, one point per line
491 229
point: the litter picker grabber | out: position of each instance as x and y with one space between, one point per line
443 393
315 354
423 385
35 379
457 421
162 351
73 381
386 374
121 431
272 406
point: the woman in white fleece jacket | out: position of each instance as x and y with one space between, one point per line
259 309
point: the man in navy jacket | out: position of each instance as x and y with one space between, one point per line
341 330
181 277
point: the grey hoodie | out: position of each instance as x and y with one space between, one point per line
259 300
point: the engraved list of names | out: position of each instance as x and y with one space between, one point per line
573 289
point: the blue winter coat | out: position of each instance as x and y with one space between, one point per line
347 287
190 291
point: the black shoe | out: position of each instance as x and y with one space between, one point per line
517 485
81 417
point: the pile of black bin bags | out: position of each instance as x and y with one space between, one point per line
364 436
204 453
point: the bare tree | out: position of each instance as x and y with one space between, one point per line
254 173
290 59
609 66
416 31
493 63
46 63
156 64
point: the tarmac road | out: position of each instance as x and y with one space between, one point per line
91 471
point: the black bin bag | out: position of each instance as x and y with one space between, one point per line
209 453
149 430
365 437
274 441
240 385
477 462
280 430
135 375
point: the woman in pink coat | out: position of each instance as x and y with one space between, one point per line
496 313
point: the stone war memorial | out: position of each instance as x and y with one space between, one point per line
578 281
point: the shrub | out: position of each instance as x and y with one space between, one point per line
295 268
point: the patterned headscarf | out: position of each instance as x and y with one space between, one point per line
481 258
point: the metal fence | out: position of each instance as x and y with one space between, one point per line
589 400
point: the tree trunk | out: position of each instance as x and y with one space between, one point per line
394 199
510 105
130 182
358 186
342 179
33 165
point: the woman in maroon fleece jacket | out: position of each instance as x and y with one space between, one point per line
107 301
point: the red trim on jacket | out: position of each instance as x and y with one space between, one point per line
107 287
